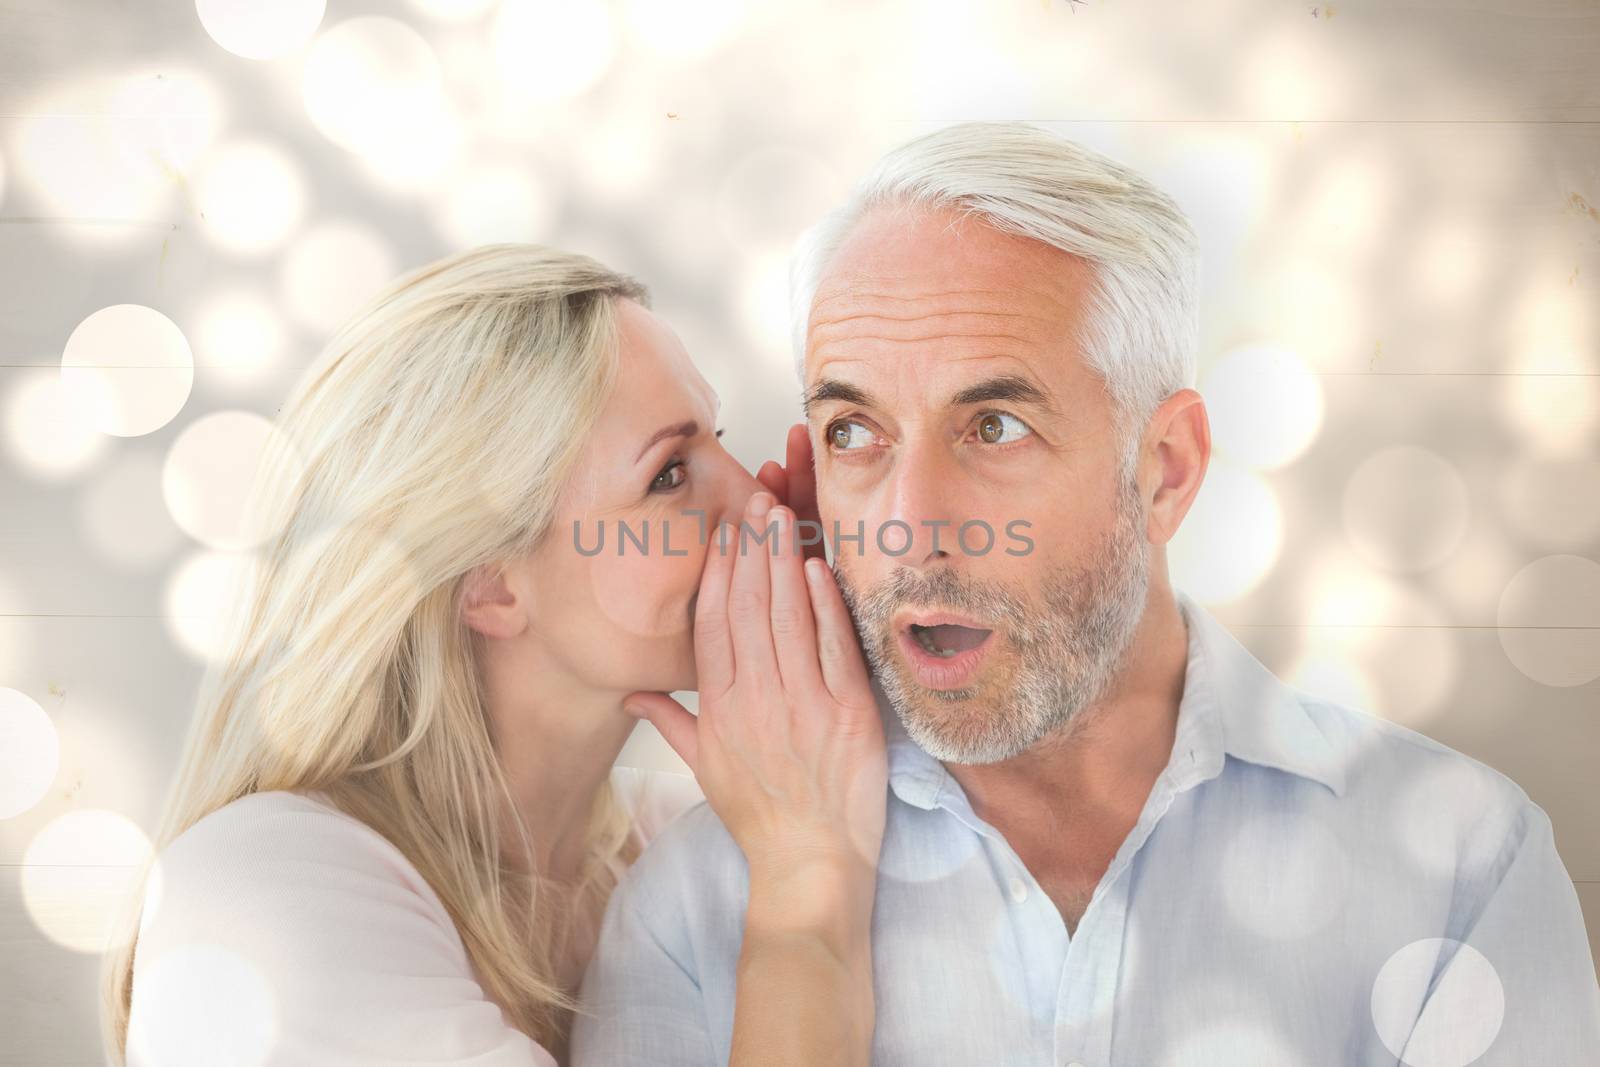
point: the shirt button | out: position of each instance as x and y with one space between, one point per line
1074 1063
1019 893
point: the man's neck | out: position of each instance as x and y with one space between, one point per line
1073 796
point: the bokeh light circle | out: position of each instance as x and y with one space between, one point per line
78 874
206 1005
689 29
1464 1011
128 368
251 196
1406 509
260 29
209 475
494 202
1230 539
332 271
30 753
548 50
1549 620
1265 406
239 336
1398 643
453 10
369 82
200 598
46 435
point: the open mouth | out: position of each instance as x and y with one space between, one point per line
948 639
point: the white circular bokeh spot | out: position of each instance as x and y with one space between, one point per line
250 195
1549 620
1398 641
77 876
1405 508
30 753
200 596
209 474
1266 406
207 1005
548 50
689 29
260 29
128 369
1231 537
239 336
370 83
46 435
493 202
331 271
1463 1015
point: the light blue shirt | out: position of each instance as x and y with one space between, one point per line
1306 885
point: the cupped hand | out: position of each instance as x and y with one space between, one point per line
794 484
788 746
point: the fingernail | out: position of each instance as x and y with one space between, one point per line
760 504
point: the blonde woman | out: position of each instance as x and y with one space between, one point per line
396 823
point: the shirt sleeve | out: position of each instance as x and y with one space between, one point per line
1528 951
641 1002
284 933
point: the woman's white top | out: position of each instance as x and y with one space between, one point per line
280 931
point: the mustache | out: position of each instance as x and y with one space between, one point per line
872 608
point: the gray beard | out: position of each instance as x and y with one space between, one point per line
1068 651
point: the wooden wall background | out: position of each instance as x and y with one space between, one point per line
1400 205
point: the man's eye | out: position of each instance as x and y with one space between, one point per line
998 428
845 435
671 476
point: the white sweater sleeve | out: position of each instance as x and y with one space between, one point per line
281 932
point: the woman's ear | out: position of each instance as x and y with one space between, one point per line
489 605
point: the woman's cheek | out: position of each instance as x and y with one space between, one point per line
646 593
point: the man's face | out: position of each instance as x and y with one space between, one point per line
948 398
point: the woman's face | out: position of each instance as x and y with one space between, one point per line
611 588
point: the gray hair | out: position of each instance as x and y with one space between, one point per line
1141 336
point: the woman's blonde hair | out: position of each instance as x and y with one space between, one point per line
433 435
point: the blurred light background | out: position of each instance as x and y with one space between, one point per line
1400 213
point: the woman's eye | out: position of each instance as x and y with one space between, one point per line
671 476
845 435
998 428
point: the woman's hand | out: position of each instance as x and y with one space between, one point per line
787 746
789 750
794 483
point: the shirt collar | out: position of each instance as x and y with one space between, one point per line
1232 705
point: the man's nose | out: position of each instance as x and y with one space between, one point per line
919 517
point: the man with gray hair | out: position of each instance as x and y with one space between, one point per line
1112 837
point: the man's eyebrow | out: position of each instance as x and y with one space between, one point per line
682 429
1011 387
833 389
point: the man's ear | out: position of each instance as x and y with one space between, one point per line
1182 449
489 605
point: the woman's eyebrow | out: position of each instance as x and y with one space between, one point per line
681 429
